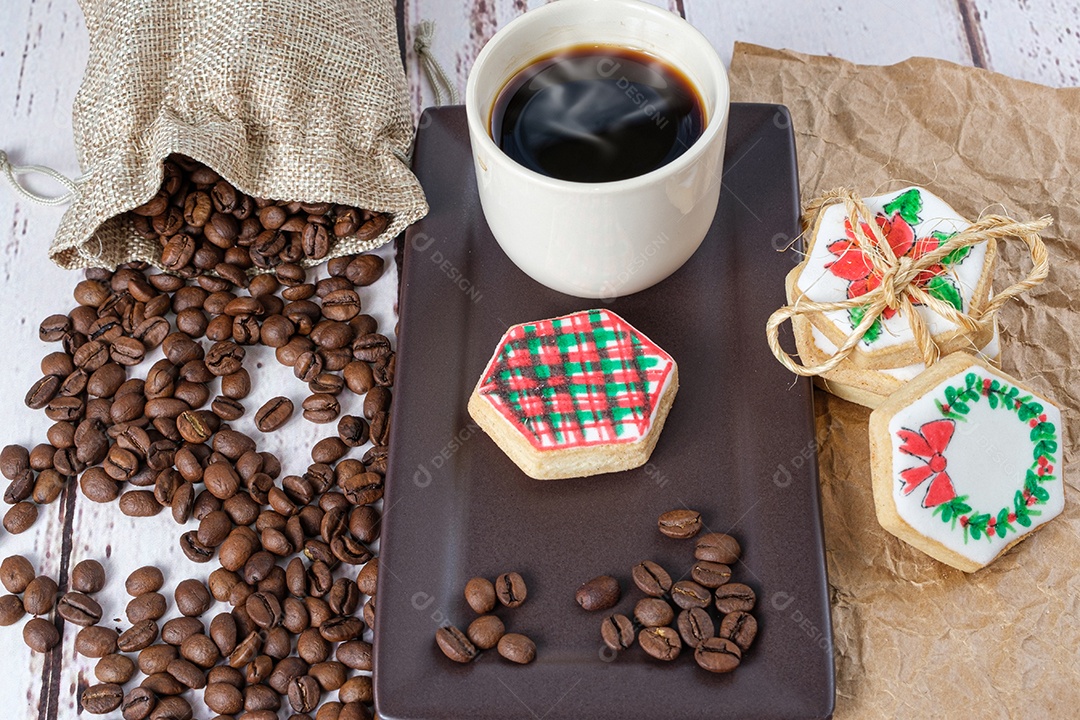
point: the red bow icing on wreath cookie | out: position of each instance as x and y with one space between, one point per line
929 443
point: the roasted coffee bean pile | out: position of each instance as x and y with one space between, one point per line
488 631
288 545
150 441
205 225
674 614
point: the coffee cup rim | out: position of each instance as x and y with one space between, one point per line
715 124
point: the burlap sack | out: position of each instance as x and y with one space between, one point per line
298 100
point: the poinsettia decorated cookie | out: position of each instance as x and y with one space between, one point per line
576 395
862 385
914 222
965 462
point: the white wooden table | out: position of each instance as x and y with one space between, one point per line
43 48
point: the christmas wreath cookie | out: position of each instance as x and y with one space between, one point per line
914 222
576 395
965 462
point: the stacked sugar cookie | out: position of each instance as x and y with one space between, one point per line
914 222
965 459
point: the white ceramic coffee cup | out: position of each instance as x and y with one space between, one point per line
599 240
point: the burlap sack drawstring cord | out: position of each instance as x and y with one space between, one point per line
433 69
899 287
11 172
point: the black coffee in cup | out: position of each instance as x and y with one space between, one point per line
597 113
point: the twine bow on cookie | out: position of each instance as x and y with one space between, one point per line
900 286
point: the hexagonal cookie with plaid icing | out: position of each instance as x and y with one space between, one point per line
966 462
576 395
914 222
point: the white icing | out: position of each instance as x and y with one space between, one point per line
987 460
908 372
821 285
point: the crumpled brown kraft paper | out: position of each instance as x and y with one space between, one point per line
916 638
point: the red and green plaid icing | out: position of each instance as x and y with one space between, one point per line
584 379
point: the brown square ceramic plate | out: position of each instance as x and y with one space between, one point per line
738 446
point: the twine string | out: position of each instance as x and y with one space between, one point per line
899 288
433 69
12 172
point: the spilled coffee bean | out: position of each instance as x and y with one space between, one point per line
680 524
740 628
617 632
695 626
455 645
600 593
662 643
517 648
717 655
510 589
651 579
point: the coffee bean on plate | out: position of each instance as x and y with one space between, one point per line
718 548
688 594
651 579
680 524
600 593
717 655
517 648
710 574
480 595
485 631
455 645
734 597
662 643
653 612
510 589
740 628
617 632
695 626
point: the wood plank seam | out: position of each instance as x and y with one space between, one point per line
48 707
976 39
